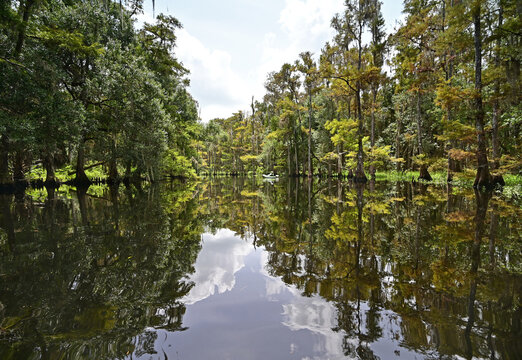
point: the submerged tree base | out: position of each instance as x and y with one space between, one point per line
424 174
485 180
360 177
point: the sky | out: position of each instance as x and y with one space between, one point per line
230 46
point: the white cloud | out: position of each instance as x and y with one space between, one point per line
305 26
305 20
230 54
312 313
219 89
142 18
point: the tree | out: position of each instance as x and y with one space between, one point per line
426 114
377 47
311 81
416 59
80 81
283 95
350 27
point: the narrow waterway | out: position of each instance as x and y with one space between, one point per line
244 269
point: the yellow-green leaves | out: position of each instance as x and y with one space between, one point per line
71 41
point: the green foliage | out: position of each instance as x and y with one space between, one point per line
85 80
130 255
380 156
73 42
175 164
79 84
419 116
343 132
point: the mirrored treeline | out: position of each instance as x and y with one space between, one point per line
99 273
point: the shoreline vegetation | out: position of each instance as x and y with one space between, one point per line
86 97
96 178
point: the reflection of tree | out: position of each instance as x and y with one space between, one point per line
402 248
398 261
87 276
7 220
482 199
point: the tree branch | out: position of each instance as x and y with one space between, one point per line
345 80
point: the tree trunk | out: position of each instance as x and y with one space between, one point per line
424 174
113 194
494 130
113 171
423 171
81 177
482 199
496 108
310 223
81 193
339 162
493 225
310 170
289 159
5 177
113 167
483 177
18 167
128 172
296 154
398 142
254 148
22 28
453 164
359 189
50 177
372 131
360 176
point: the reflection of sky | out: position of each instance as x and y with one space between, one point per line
221 256
316 315
312 314
236 310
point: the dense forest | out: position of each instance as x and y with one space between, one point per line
441 93
82 86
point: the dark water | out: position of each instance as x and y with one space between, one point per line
234 269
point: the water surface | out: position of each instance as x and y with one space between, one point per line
239 269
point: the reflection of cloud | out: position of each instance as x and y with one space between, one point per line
274 285
313 314
318 316
220 258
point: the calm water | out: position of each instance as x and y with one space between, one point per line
234 269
